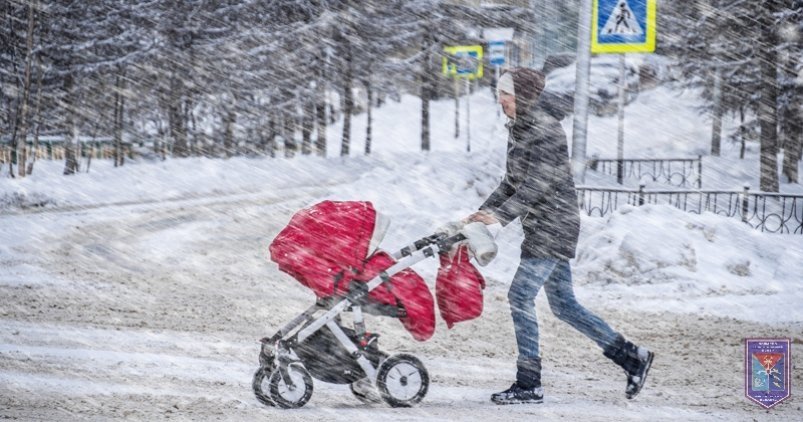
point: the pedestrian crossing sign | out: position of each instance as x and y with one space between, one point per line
623 26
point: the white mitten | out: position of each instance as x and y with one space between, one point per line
480 242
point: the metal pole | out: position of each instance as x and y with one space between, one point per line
745 202
468 114
699 172
496 79
620 144
716 129
549 24
537 34
580 124
456 108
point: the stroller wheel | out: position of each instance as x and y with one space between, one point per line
290 395
402 380
365 392
260 386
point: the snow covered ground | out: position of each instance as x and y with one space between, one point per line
140 292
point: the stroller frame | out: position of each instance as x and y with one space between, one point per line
277 355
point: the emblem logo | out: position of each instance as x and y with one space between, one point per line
767 374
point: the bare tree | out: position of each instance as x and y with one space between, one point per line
768 109
22 116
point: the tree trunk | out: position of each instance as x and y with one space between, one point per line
320 116
370 94
426 94
22 116
178 133
793 129
716 127
289 135
742 132
119 113
348 100
160 136
768 111
228 138
201 146
270 146
188 117
792 149
307 124
71 165
195 149
793 120
37 118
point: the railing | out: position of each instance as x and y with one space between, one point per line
768 212
680 172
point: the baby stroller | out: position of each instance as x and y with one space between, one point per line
331 248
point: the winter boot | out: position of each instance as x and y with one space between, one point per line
636 362
527 388
517 394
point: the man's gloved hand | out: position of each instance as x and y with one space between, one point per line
481 216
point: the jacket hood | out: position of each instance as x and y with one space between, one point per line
555 104
528 85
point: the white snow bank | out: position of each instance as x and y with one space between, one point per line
659 258
171 179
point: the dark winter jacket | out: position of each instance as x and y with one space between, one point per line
538 186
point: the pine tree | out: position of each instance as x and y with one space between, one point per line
738 43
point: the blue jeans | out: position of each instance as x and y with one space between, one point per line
556 277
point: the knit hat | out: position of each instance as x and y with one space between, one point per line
505 84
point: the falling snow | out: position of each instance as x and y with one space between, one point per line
151 151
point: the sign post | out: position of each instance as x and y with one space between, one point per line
464 62
582 71
620 134
496 56
620 27
456 108
468 114
497 39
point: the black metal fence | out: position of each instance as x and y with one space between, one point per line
680 172
768 212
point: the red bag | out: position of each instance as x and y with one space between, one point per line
459 288
406 288
414 295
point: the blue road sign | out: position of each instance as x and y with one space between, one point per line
496 52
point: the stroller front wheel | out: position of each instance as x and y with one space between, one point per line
402 380
259 384
287 395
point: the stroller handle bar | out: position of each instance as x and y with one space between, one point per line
442 240
479 239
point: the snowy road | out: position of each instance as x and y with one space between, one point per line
152 311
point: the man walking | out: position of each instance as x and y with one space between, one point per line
538 188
